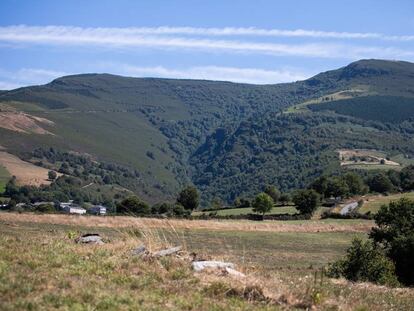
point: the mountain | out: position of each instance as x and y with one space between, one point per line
228 138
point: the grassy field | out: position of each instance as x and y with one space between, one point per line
249 210
41 268
374 203
4 177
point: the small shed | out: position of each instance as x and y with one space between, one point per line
98 210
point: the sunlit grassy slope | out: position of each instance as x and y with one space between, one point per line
41 268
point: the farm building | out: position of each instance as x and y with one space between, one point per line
71 208
98 210
75 210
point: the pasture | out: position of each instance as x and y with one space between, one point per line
373 203
42 268
249 210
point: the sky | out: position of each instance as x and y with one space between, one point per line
258 41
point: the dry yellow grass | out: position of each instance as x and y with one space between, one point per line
25 172
23 122
225 225
41 268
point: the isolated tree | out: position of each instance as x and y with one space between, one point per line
133 205
189 198
262 203
52 175
306 201
395 232
273 192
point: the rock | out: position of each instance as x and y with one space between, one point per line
201 265
139 251
90 238
235 273
167 252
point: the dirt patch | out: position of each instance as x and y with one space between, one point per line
151 223
25 172
23 123
361 156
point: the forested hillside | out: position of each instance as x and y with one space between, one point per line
228 139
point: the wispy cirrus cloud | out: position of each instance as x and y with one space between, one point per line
225 31
161 38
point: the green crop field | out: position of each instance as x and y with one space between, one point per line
375 202
42 260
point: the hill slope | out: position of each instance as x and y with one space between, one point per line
228 138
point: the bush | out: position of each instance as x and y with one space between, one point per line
365 262
133 205
52 175
45 208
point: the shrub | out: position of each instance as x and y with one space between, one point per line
45 208
365 262
52 175
133 205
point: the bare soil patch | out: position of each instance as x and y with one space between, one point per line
151 223
361 156
25 172
23 122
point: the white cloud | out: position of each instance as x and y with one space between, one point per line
34 76
225 31
6 85
143 37
27 76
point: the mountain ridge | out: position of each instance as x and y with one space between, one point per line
162 127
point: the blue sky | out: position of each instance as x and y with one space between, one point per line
242 41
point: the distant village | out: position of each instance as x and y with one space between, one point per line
70 207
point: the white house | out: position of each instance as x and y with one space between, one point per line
71 208
75 210
98 210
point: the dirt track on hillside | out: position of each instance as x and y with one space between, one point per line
151 223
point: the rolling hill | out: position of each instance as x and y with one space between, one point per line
227 138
